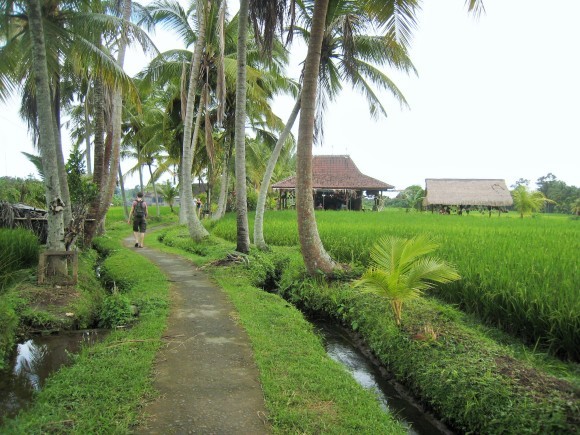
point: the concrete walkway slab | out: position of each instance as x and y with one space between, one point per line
205 373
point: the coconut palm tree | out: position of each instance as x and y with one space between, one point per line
196 229
217 73
397 18
243 232
350 55
169 193
401 271
73 48
55 240
315 257
267 16
528 202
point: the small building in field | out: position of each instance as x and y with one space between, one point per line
338 185
466 194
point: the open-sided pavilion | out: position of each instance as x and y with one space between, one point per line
466 194
338 184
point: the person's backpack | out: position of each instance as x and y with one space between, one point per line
139 209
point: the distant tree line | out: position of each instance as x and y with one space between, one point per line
563 198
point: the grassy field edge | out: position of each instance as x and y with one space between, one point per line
103 390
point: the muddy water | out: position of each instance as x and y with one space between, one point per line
34 360
341 348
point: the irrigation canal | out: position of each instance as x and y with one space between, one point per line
38 357
34 360
341 347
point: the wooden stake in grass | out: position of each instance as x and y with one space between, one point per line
400 271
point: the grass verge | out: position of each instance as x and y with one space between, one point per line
102 391
305 391
469 380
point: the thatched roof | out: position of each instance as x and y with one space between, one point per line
336 172
448 191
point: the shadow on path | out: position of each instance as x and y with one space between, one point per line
205 372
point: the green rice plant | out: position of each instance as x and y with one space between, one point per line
517 274
18 250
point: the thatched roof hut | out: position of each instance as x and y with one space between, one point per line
467 192
337 183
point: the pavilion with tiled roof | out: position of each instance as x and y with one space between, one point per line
337 182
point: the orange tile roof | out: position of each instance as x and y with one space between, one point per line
336 172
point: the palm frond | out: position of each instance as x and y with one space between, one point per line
398 18
427 272
171 16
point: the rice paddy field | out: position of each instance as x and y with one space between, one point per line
518 274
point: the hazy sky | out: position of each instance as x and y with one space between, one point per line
496 97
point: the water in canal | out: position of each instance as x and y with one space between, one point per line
342 348
34 360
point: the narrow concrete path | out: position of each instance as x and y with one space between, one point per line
205 372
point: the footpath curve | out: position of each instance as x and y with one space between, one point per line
205 372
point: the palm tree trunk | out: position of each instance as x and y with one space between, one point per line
47 138
183 94
196 229
140 168
122 185
99 161
261 205
116 118
88 136
154 190
99 140
63 180
223 198
243 232
315 257
182 209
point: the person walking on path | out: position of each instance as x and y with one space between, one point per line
139 214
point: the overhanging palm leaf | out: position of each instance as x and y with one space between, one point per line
400 272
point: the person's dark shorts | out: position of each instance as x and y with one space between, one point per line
139 225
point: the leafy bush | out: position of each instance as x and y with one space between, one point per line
115 311
265 269
26 191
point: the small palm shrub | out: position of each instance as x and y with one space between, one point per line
400 271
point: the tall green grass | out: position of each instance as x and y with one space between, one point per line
18 250
519 274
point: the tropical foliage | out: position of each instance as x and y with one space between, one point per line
518 274
401 271
22 190
169 193
564 198
526 202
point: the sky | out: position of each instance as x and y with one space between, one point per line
495 97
